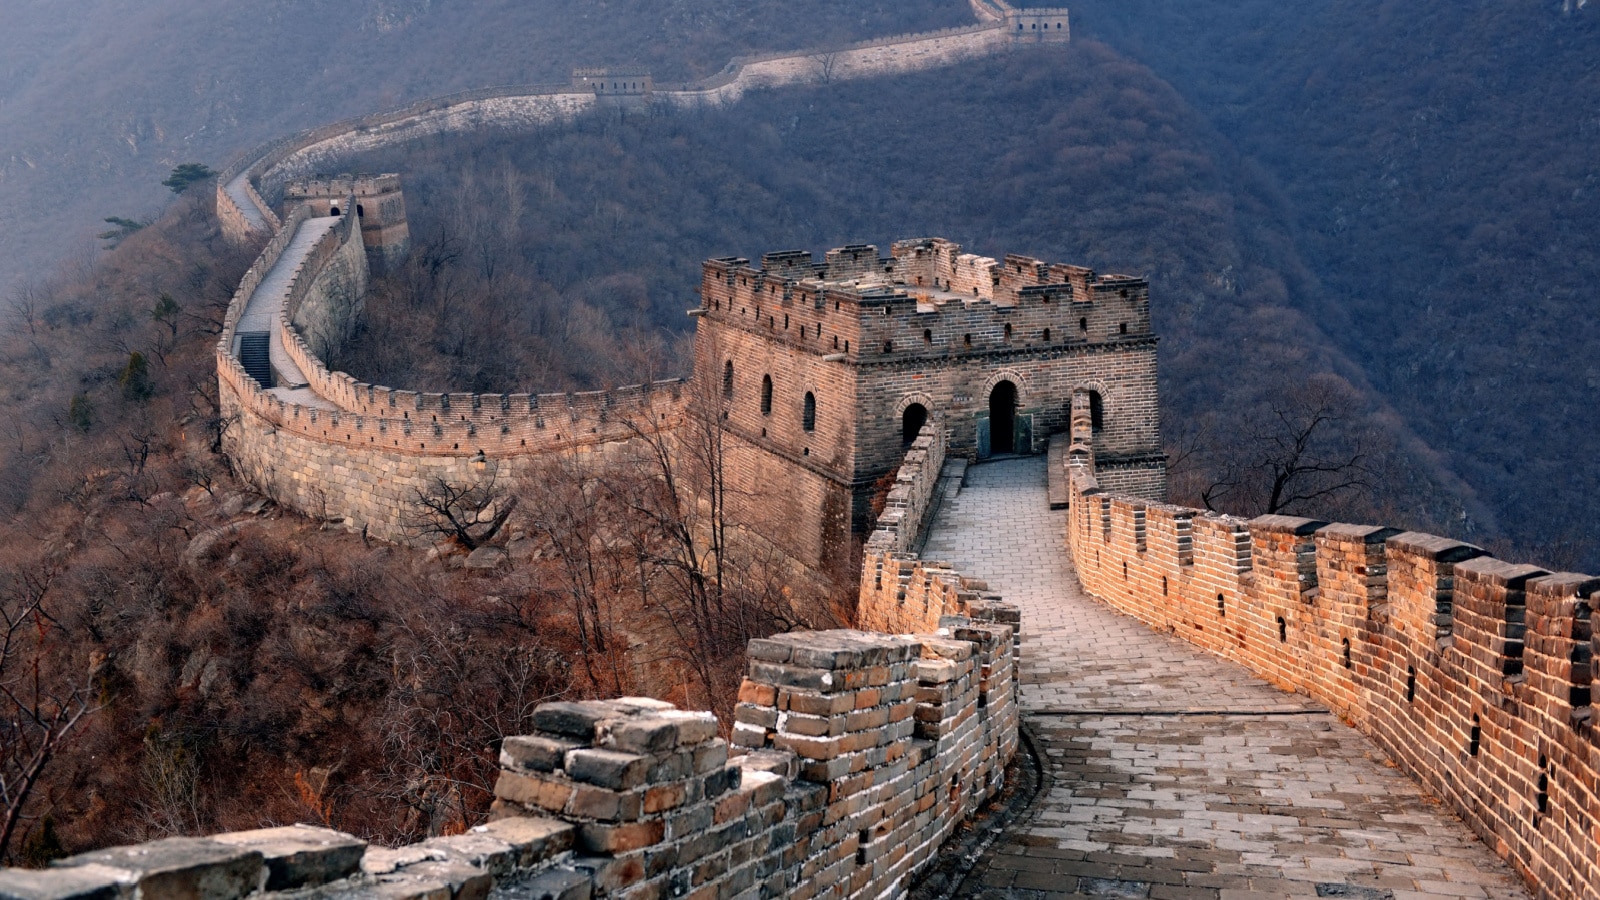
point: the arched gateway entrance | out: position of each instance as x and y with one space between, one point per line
1003 418
911 422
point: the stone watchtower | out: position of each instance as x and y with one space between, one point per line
829 369
624 86
380 204
1039 25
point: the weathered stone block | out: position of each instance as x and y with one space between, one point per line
86 882
556 884
573 719
181 867
300 855
620 838
607 768
541 753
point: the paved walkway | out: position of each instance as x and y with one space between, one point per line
237 192
261 311
1176 774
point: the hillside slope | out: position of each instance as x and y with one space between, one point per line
100 98
566 241
1436 171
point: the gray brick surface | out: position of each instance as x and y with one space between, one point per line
1177 774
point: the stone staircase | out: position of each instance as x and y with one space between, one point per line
255 356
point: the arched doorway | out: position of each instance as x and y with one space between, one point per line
1003 418
911 422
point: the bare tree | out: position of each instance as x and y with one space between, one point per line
715 585
446 716
1307 445
40 708
826 61
469 514
571 511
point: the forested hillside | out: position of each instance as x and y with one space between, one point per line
547 259
1435 168
100 98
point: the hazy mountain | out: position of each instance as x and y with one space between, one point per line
1436 170
100 98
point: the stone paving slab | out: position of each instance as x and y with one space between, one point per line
1153 793
262 308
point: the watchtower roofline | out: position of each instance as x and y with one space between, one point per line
1039 25
927 299
380 204
609 82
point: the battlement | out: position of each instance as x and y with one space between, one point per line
974 333
838 363
605 82
337 187
927 300
1039 25
1474 674
377 201
853 757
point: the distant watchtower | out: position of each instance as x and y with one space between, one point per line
1039 25
615 85
829 369
380 204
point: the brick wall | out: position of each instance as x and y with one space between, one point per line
1472 673
853 757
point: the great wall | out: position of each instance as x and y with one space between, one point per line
854 755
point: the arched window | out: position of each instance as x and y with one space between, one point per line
727 380
1097 412
766 395
808 416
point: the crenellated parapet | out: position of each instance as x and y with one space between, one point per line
331 446
853 757
837 362
1473 673
313 438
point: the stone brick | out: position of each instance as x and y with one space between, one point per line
180 867
536 752
607 768
300 855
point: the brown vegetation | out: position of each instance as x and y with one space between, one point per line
186 657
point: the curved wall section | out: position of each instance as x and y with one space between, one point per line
340 449
1472 673
245 190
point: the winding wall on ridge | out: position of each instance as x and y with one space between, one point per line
245 190
346 450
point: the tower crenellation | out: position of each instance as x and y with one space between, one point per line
837 364
380 204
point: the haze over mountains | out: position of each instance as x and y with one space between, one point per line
1437 170
100 98
1411 190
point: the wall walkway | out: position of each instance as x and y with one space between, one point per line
1175 774
268 301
